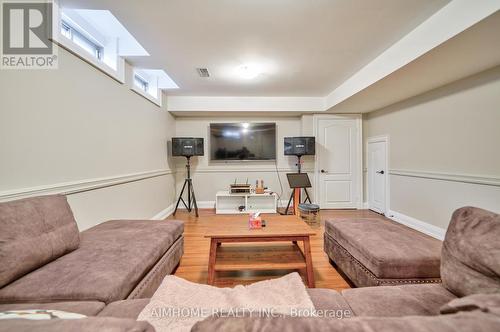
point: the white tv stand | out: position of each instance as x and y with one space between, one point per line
226 203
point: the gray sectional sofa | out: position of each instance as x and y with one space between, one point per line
468 299
45 260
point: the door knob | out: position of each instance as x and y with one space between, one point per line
323 171
380 172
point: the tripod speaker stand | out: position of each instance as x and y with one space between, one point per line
299 146
187 147
298 182
191 199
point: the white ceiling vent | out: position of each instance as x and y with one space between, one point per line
203 72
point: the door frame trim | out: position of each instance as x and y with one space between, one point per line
359 152
377 139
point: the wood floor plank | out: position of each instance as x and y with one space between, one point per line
194 263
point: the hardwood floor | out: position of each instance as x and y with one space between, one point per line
194 263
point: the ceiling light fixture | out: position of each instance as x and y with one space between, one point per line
248 71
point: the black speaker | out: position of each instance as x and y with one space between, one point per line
299 146
187 146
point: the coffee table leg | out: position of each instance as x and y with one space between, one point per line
211 261
309 266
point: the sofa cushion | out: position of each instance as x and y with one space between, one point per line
482 302
87 308
90 324
163 267
389 250
397 301
329 299
471 252
125 308
33 232
461 322
113 257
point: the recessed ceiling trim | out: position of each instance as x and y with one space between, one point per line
448 22
271 104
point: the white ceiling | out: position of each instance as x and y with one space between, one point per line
470 52
308 47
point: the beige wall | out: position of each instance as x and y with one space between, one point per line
210 177
454 130
77 124
307 125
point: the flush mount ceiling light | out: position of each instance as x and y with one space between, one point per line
248 71
253 70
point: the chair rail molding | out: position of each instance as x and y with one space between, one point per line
453 177
74 187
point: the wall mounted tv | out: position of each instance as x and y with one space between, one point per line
242 141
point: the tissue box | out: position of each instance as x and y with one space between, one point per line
254 222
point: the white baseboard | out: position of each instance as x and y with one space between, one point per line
169 210
419 225
164 213
365 206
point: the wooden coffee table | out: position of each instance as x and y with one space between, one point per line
250 256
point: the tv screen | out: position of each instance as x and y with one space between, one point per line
242 141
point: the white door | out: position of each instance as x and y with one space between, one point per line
339 165
377 175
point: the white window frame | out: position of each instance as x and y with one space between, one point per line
152 93
73 32
118 74
141 83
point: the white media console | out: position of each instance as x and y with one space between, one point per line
226 203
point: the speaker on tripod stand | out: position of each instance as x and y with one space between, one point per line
298 146
187 147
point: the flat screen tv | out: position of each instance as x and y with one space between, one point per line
242 141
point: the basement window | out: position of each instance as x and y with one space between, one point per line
149 83
80 39
97 37
145 83
141 83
